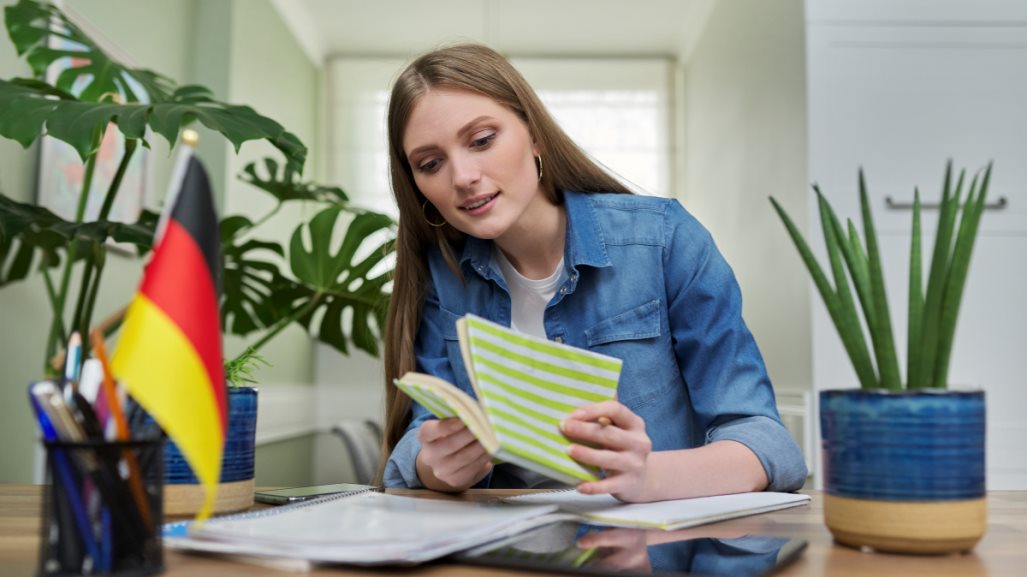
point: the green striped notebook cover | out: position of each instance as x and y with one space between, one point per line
525 387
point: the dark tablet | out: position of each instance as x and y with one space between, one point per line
575 548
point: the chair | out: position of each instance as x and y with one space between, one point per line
363 442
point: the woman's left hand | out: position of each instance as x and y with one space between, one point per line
623 448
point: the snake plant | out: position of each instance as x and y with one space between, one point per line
933 310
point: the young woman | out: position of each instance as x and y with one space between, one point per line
503 216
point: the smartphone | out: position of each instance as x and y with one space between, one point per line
294 494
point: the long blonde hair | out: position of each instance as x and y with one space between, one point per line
481 70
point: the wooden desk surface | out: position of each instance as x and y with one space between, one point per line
1003 551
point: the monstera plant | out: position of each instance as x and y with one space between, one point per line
326 276
94 95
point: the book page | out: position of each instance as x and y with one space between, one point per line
445 401
674 514
528 386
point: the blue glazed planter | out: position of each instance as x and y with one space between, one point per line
912 459
183 495
237 463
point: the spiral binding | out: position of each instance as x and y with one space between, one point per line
181 528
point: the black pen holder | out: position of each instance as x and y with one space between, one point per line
102 508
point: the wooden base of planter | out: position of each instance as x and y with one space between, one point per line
187 499
929 528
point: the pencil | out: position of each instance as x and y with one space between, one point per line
134 476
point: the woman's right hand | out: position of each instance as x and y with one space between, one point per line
451 459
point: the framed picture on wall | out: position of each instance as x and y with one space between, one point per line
62 172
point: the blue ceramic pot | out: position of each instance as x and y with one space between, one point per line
904 471
903 446
237 463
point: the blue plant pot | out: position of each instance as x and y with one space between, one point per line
183 494
913 459
237 463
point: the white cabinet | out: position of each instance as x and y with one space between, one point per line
899 97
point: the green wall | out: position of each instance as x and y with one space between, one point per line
285 463
270 72
21 333
244 53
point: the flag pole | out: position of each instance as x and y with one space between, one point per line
189 139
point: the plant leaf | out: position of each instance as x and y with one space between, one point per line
914 349
248 281
827 293
331 275
956 281
848 319
860 270
31 234
28 108
34 27
936 278
881 333
287 185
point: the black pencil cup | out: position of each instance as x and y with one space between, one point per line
102 510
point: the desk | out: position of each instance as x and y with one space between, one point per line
1003 551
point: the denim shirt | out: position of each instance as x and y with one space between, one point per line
645 283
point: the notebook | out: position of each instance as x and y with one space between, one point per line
606 510
525 387
366 528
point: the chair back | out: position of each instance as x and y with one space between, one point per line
363 442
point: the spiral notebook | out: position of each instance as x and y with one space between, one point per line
526 386
364 528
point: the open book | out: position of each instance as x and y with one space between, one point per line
525 387
667 515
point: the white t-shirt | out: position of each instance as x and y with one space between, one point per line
529 298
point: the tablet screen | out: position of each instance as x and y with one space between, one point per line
571 547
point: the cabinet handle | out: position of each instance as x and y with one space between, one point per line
999 204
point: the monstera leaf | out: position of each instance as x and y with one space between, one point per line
42 34
287 185
248 281
30 107
332 278
32 234
96 90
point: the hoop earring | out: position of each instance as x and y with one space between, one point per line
538 160
424 212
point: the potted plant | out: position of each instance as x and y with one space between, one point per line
108 97
338 298
903 464
325 278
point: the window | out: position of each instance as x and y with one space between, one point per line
620 111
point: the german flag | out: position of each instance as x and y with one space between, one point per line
169 354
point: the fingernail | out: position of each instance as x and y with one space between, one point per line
577 414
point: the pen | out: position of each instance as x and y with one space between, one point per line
72 358
102 471
63 470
